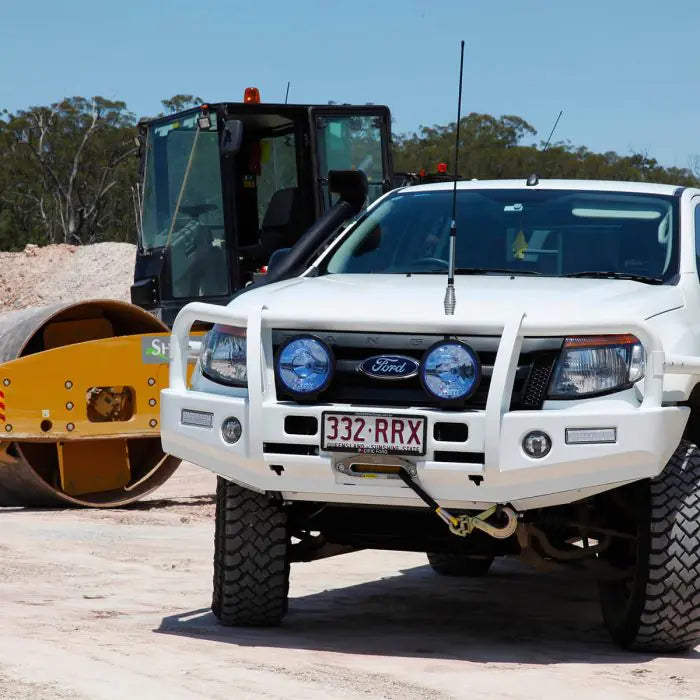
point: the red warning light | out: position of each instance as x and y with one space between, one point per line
442 168
251 95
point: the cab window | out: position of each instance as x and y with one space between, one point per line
183 206
351 142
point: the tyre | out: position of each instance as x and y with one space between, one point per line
251 558
656 607
459 564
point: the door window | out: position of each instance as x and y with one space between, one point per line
278 169
351 142
183 205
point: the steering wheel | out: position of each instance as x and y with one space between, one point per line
431 261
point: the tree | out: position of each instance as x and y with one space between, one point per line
68 167
67 171
492 147
178 103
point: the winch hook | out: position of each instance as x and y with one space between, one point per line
463 525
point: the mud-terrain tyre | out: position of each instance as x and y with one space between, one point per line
251 557
459 564
657 609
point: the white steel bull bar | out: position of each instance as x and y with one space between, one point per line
511 330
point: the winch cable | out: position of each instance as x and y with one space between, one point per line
464 525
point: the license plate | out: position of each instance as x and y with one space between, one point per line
373 434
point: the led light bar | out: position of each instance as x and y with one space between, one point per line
590 436
201 419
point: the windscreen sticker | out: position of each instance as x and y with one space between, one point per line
520 246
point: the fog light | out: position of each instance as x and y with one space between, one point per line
231 430
537 444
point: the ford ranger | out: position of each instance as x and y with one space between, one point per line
553 413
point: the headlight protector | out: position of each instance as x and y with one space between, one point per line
223 357
305 365
450 371
593 365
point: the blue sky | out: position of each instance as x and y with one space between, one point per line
624 72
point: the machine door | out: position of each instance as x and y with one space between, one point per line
352 139
182 206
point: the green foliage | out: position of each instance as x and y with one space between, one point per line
68 171
178 103
493 147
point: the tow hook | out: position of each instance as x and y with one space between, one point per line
463 525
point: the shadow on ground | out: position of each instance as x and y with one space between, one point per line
514 615
147 505
157 503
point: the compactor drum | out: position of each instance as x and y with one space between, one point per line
79 405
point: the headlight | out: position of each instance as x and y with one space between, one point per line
450 370
304 365
597 364
223 357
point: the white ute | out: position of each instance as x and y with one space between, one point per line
555 415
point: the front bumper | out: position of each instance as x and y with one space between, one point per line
647 434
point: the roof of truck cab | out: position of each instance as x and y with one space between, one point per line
591 185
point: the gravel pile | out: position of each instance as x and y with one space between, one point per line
39 276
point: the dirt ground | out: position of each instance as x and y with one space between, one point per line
108 604
48 274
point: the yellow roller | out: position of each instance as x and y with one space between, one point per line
79 405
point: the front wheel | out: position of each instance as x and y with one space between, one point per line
251 557
656 607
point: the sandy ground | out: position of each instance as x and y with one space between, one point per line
108 604
44 275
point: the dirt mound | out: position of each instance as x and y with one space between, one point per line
54 273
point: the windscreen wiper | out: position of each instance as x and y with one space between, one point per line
617 275
476 271
483 270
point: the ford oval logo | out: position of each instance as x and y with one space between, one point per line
390 367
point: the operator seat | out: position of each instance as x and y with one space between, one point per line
282 225
283 222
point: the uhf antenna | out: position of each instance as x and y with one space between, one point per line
286 97
551 133
450 300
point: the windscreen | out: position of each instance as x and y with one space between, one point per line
183 205
546 232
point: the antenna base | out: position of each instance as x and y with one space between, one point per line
450 300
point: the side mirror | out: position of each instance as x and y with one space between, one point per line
231 137
277 258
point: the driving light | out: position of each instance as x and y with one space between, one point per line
537 444
223 357
304 365
231 430
591 365
450 371
590 436
201 419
